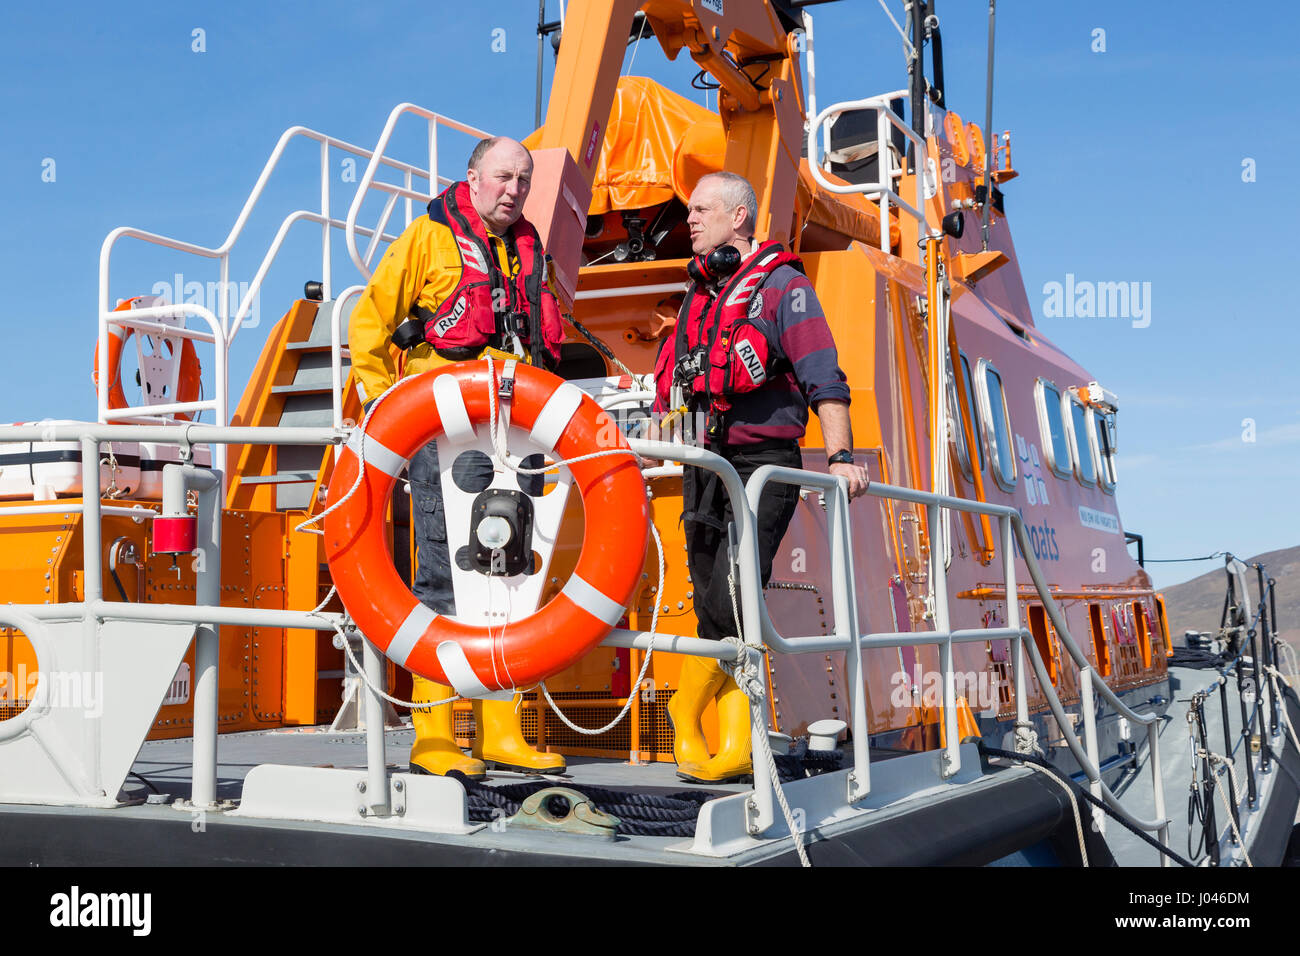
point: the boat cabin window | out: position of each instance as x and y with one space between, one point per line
1143 633
1105 452
1162 619
969 383
1079 424
997 426
1044 638
1100 648
957 428
959 420
1051 423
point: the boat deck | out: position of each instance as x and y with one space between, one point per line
985 815
1276 790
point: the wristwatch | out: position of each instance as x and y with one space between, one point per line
844 457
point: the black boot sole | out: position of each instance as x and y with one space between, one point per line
420 771
738 778
531 771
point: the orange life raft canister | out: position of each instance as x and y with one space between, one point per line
188 383
561 419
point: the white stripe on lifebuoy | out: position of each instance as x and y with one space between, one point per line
378 455
451 409
593 601
555 414
462 677
409 634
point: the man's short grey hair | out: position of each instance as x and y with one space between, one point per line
481 150
736 192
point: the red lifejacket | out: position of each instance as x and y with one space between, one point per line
487 303
723 345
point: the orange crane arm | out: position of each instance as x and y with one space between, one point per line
748 51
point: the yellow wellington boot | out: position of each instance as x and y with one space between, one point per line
732 762
500 740
435 749
700 679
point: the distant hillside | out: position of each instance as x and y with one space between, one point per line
1198 604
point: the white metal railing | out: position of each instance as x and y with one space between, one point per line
883 191
758 635
760 632
336 352
406 190
222 326
205 612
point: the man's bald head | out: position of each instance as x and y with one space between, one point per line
499 176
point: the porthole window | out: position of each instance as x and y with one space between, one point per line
1051 424
997 426
1079 424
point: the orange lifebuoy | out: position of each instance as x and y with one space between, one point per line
561 418
188 384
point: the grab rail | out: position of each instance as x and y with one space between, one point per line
406 190
222 325
883 191
758 630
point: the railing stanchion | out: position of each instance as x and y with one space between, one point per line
1158 784
207 593
1086 704
433 157
336 355
1013 621
92 591
376 762
844 597
325 241
943 629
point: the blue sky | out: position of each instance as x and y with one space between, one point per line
1131 165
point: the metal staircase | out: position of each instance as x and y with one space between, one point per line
292 387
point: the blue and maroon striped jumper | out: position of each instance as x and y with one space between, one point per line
779 408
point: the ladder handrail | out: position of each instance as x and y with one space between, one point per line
882 191
223 328
377 156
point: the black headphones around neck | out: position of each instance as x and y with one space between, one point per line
714 266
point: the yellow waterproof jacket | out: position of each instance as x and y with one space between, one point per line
421 267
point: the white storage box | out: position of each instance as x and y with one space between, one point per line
41 470
153 455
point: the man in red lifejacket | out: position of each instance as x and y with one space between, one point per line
751 353
472 275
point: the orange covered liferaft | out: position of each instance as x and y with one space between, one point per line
562 420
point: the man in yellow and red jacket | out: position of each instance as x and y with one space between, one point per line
472 274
